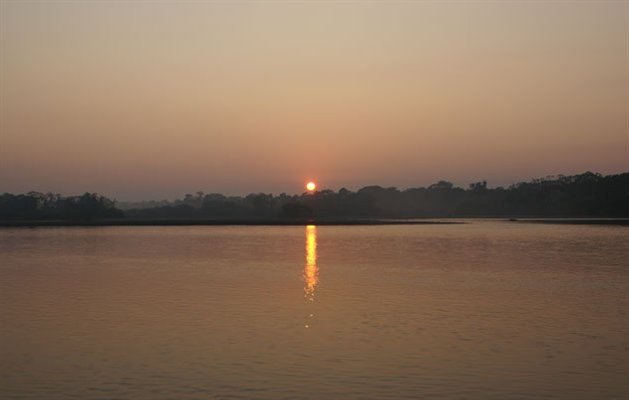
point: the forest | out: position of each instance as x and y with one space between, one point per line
584 195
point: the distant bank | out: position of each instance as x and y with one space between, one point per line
300 222
587 195
576 221
216 222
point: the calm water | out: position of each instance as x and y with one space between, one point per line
485 310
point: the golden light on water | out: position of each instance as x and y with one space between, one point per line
311 271
311 186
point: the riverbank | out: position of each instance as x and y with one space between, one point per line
576 221
220 222
296 222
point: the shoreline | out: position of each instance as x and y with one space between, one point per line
301 222
214 222
574 221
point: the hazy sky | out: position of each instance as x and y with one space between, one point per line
154 99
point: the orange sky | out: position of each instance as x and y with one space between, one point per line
155 99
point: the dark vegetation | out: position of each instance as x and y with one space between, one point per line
49 206
584 195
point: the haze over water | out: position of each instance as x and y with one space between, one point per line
484 310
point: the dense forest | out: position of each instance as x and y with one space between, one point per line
584 195
50 206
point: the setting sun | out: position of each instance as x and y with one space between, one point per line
311 186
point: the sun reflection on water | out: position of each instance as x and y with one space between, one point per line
311 272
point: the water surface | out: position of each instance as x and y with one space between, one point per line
484 310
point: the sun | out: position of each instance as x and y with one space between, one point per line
311 186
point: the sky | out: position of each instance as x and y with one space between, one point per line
154 99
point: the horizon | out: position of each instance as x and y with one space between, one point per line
319 188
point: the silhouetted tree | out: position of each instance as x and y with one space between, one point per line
296 210
34 205
587 194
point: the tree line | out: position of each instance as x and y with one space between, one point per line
52 206
584 195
